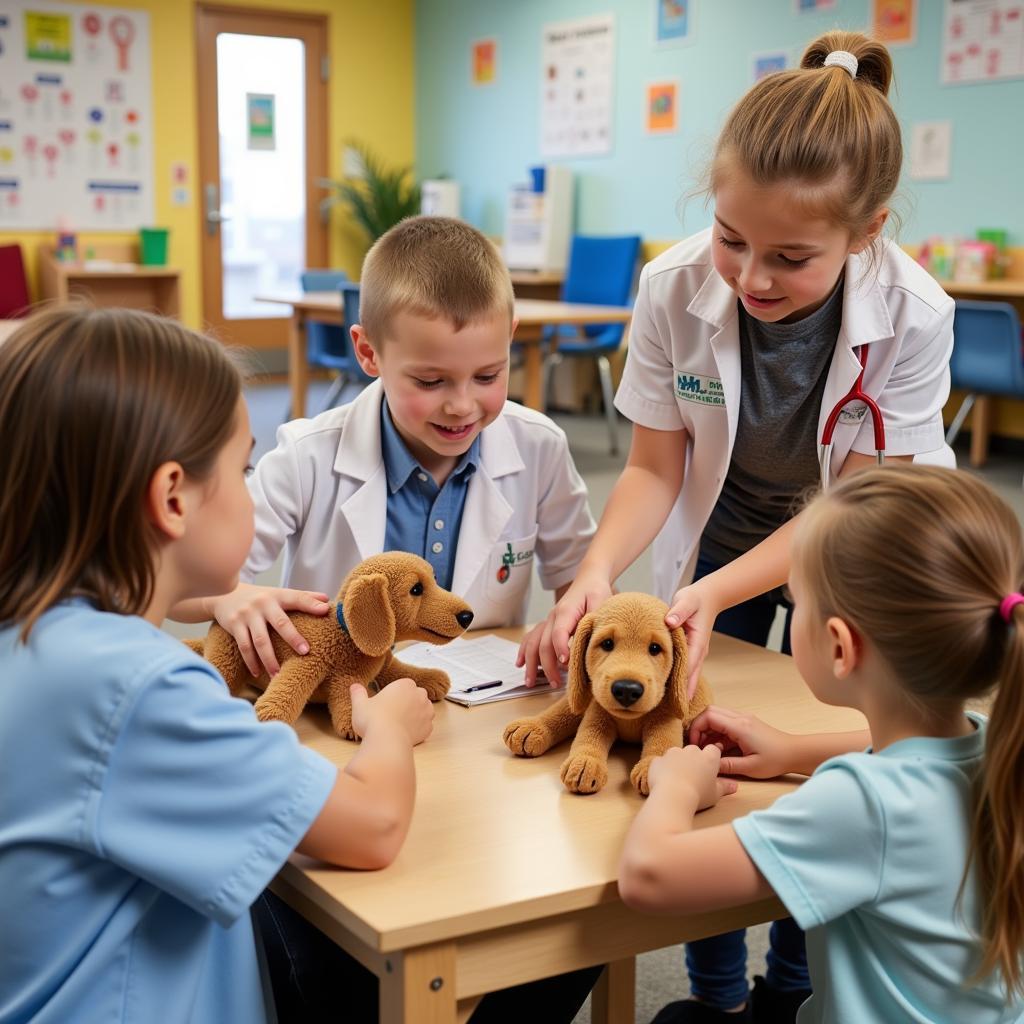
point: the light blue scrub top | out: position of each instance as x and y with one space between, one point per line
868 855
142 811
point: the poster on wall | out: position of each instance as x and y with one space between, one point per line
673 22
810 6
982 41
484 62
768 63
76 144
931 143
662 108
893 22
577 65
260 121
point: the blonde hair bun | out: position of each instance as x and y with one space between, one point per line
874 65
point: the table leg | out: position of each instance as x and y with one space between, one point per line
298 366
532 365
419 987
981 424
613 1000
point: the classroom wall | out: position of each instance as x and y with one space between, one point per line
371 44
486 137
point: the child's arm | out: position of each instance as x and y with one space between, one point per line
753 748
669 867
366 817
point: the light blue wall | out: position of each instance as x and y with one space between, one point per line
487 137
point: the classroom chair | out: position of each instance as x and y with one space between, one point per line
14 297
986 360
601 271
327 345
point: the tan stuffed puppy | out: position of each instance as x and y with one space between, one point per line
384 599
627 681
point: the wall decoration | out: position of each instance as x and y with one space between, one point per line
982 41
484 67
930 145
260 121
893 22
768 63
76 142
810 6
662 108
673 22
577 98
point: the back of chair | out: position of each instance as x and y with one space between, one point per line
326 345
601 271
987 355
14 297
322 280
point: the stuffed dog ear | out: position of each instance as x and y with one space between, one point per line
369 617
675 687
578 688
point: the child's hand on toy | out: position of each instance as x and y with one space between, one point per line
548 642
695 769
248 611
400 703
748 746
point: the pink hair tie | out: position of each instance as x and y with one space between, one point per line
1007 605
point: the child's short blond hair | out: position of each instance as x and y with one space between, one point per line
434 267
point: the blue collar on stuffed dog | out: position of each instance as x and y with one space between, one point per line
340 615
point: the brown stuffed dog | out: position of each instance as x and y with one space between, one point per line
627 681
384 599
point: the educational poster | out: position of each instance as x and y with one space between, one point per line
768 63
893 22
577 64
662 108
76 145
485 62
260 121
931 143
982 41
810 6
673 22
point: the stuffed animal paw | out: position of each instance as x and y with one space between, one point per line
528 737
433 680
638 776
583 773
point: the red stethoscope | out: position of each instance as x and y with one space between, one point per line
855 394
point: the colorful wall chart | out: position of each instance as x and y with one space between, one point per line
76 141
982 41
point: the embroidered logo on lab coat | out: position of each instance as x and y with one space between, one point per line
853 413
695 387
512 560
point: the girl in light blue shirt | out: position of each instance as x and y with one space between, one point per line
900 855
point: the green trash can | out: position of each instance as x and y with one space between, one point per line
153 246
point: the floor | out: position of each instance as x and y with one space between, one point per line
660 975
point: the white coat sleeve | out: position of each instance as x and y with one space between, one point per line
565 525
278 506
918 387
646 394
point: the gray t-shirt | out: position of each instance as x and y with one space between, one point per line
775 457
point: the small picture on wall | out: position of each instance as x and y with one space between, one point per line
768 63
261 121
893 22
673 22
485 62
662 108
809 6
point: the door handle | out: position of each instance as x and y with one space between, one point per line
214 218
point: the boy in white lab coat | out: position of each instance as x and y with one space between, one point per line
431 458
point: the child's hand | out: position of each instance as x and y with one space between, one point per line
695 768
548 643
400 703
749 746
247 612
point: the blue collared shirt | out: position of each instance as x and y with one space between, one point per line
423 518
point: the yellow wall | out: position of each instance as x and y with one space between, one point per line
371 44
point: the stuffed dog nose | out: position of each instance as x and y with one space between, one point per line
464 619
627 691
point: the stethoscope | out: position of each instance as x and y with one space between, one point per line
855 394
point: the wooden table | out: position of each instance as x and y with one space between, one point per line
113 279
533 316
505 877
537 284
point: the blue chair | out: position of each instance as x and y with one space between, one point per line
328 345
987 357
601 271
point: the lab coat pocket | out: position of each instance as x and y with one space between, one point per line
509 568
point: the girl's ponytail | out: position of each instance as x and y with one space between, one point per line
874 65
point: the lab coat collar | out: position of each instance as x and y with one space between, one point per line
715 302
865 313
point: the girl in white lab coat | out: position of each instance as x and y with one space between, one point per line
745 337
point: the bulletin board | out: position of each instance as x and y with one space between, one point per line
982 41
76 117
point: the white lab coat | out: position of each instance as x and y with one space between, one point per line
683 372
322 495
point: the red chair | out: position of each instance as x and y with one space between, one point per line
14 298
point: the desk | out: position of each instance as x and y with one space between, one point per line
505 877
537 284
129 284
533 316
